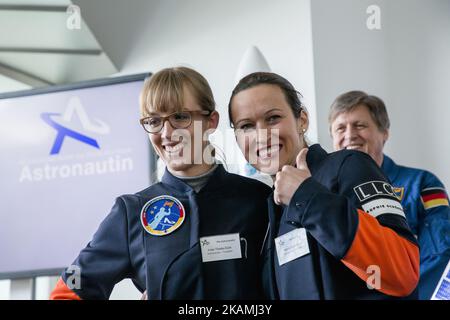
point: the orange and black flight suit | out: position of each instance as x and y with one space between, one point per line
355 229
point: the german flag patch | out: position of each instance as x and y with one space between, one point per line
434 197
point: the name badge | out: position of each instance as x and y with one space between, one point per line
292 245
222 247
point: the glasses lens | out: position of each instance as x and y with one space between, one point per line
180 120
152 124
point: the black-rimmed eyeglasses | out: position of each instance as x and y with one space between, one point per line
178 120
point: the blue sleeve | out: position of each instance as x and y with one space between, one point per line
105 260
434 240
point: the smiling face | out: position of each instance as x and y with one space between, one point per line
182 150
266 130
356 130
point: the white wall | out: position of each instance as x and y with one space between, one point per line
406 63
5 286
7 84
347 55
419 47
21 289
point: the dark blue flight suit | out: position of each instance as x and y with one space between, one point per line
170 266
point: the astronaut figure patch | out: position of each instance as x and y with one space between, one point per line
162 215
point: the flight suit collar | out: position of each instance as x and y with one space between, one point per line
214 182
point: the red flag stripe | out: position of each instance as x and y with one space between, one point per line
440 195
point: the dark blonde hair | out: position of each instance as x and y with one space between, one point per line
163 91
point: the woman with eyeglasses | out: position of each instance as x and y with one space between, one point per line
337 229
198 233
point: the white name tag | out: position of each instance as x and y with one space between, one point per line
291 245
223 247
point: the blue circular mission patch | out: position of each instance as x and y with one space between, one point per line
162 215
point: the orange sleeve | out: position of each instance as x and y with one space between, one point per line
62 292
396 257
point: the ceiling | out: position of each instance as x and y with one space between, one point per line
47 43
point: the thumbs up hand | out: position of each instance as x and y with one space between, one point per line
290 178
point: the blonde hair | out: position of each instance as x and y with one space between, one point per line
164 91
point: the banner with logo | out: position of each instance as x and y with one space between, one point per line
66 154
